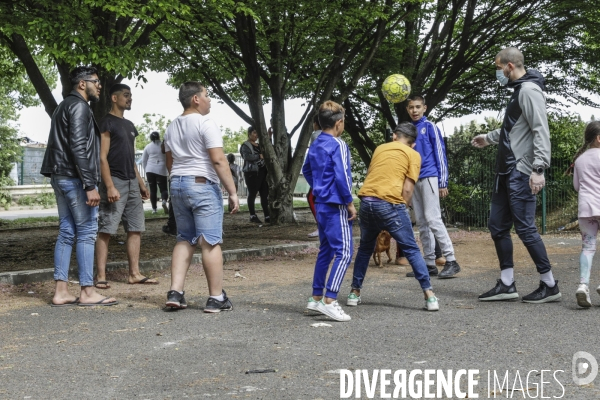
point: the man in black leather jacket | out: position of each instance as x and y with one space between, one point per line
72 162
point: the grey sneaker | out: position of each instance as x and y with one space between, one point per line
451 268
175 300
500 292
543 294
165 207
214 306
353 300
312 304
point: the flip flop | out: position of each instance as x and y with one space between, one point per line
100 303
70 303
144 282
105 283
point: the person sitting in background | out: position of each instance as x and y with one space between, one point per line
153 161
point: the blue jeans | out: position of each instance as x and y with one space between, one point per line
77 222
198 209
376 216
513 203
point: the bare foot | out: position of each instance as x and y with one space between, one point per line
142 280
60 299
89 295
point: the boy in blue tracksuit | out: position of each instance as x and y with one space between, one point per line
327 171
432 184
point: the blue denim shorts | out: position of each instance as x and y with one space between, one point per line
198 210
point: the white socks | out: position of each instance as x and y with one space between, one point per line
548 279
219 297
507 276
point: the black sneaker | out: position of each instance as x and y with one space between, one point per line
267 220
169 231
451 268
432 269
214 306
254 218
500 292
543 294
175 300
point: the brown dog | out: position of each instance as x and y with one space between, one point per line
383 244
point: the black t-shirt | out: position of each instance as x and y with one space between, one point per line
121 154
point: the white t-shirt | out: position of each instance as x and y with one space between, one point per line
153 159
188 138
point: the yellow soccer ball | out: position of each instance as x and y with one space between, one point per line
396 88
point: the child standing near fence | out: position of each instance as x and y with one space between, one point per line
586 180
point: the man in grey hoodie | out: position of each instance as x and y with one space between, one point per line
523 155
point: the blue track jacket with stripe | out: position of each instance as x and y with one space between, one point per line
432 149
327 170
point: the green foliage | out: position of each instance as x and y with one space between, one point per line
152 122
5 198
233 139
10 151
472 173
45 200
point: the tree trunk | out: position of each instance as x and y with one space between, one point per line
19 47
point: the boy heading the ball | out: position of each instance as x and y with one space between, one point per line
431 185
327 171
384 196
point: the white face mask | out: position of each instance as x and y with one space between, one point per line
501 78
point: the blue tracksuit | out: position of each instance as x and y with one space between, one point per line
327 171
432 149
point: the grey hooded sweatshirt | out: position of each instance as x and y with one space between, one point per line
524 139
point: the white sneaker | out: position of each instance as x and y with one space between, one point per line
313 304
583 296
154 211
314 234
333 310
353 300
431 304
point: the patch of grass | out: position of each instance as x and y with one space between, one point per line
27 222
160 213
45 200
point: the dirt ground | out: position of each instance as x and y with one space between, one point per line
474 250
33 248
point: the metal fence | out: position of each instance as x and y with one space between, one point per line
471 183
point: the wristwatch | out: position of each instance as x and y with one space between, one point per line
538 170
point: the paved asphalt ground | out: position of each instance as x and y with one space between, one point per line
138 351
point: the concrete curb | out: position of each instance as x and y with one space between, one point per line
20 277
30 276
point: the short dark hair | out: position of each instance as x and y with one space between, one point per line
230 158
118 87
416 97
406 130
251 129
187 90
316 120
329 113
80 73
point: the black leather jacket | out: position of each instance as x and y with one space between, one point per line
74 142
